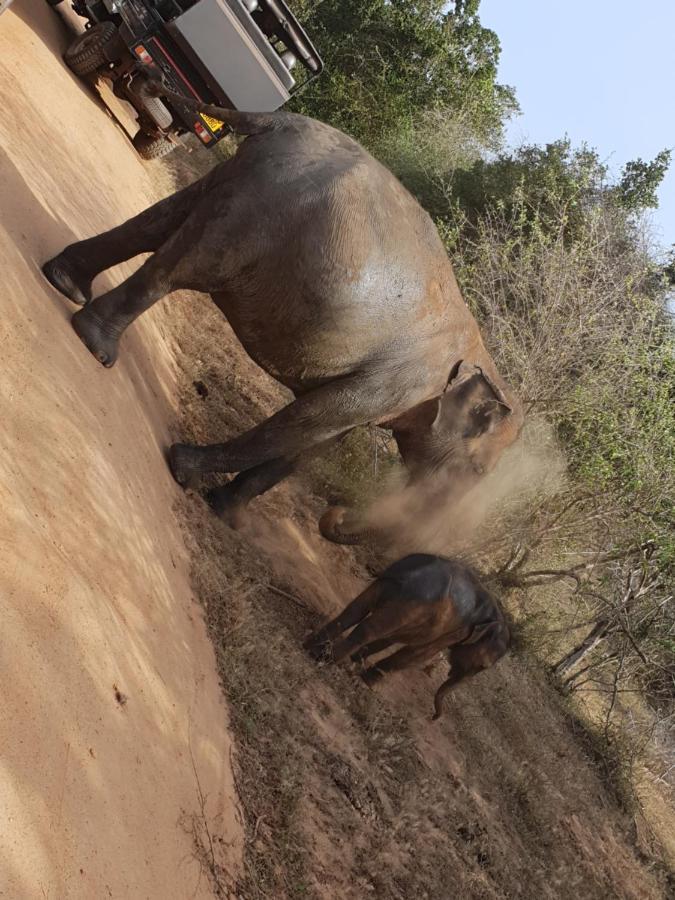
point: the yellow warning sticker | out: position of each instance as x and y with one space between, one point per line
214 124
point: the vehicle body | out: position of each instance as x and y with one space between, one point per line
249 55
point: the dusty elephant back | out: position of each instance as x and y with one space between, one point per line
318 184
431 581
325 245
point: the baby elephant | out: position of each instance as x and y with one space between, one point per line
427 603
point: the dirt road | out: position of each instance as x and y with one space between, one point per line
111 722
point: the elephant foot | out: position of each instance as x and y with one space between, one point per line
183 463
371 676
97 336
66 278
318 650
360 658
225 505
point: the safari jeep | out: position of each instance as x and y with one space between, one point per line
242 54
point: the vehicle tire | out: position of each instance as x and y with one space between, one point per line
150 147
95 48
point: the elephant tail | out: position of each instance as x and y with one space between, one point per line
240 122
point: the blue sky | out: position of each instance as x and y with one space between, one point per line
600 71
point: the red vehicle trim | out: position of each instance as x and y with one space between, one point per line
176 68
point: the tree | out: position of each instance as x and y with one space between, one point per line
389 61
669 268
555 265
640 181
556 179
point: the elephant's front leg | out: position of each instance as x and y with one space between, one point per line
229 500
318 643
371 650
315 418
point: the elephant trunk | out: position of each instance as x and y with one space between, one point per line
331 527
439 697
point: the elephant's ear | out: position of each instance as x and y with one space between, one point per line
460 373
496 390
485 417
426 415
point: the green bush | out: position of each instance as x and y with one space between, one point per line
389 61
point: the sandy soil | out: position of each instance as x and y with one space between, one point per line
113 734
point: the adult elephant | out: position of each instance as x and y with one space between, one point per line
336 283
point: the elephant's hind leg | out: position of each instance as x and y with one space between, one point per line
353 613
74 269
102 322
377 630
370 650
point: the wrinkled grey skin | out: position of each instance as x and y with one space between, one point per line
336 283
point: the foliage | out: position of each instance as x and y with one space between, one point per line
619 430
577 319
669 268
555 186
540 184
389 61
428 153
640 181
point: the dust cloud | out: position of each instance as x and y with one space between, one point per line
437 518
407 519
